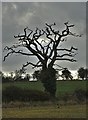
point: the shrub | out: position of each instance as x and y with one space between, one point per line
66 97
13 93
80 95
37 95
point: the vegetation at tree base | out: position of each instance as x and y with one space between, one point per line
47 51
50 82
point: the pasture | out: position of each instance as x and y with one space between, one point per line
46 109
63 87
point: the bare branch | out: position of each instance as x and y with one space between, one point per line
13 51
35 53
31 31
25 31
68 50
30 41
13 47
67 59
75 35
59 66
40 45
70 55
30 63
7 55
51 29
19 36
66 31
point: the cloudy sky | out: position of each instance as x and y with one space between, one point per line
17 15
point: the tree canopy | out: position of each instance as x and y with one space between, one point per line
83 73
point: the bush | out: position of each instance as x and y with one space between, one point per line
80 95
13 93
66 97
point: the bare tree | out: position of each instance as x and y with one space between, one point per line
44 45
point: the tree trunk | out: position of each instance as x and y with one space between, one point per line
48 78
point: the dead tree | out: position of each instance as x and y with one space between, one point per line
44 44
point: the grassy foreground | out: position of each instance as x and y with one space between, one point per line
51 110
66 111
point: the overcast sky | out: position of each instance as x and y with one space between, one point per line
16 16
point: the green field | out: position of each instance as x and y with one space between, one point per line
62 86
68 111
47 109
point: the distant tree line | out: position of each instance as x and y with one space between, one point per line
21 75
18 75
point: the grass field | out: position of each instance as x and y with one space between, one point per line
67 111
62 86
40 110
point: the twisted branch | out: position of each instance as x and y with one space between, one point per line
30 63
43 50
